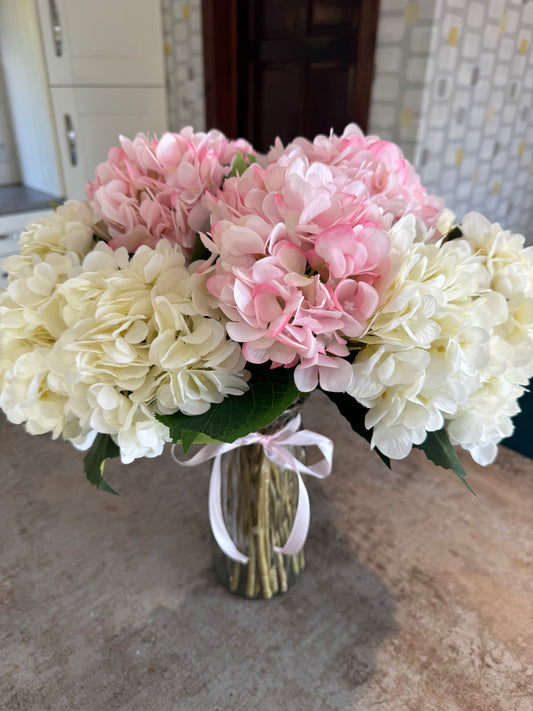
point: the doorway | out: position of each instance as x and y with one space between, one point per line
287 67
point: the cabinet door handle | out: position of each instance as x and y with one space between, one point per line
71 140
57 32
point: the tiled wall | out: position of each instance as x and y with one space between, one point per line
460 104
182 34
402 54
475 142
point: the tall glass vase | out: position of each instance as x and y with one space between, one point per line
259 500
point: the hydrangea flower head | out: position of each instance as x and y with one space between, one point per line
151 189
376 169
299 260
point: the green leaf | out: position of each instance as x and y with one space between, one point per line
271 392
438 448
454 233
251 158
355 413
204 439
53 205
199 251
239 165
102 448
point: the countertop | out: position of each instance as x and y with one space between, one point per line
20 198
417 595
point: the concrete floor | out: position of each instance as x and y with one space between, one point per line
417 595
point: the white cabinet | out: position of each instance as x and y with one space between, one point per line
89 120
28 96
102 42
79 73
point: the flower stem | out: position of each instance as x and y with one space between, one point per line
263 544
259 498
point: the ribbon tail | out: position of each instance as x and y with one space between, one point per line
275 448
300 527
216 517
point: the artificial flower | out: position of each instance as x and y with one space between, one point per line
298 261
151 189
485 417
421 356
327 258
375 170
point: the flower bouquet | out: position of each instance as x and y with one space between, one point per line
202 290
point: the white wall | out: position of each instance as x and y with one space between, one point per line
9 170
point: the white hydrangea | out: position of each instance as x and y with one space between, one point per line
52 248
485 417
132 425
103 344
69 229
134 322
510 266
446 221
428 342
30 323
26 396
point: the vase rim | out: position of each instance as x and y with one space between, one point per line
286 416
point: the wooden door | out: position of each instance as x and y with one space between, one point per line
288 67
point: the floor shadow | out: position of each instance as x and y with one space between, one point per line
116 604
310 649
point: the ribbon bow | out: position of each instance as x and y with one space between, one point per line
275 449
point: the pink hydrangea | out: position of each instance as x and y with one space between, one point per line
151 189
299 257
375 168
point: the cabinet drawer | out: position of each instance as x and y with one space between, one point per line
102 42
90 120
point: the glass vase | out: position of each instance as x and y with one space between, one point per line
259 500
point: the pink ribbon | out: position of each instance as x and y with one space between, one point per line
275 449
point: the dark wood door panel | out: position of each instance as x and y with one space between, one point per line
329 16
269 83
276 19
292 67
329 97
